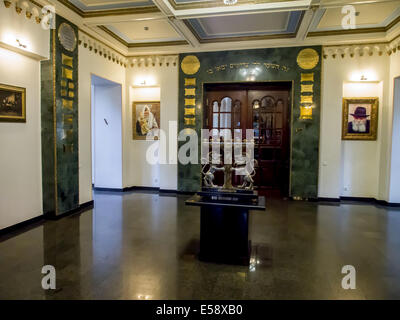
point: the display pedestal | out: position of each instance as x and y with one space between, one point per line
224 226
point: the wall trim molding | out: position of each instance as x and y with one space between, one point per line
138 188
360 200
20 227
23 226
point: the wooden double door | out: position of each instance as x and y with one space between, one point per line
264 108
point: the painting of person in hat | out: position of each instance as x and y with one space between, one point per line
359 120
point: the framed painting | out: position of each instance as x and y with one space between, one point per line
145 120
12 104
360 118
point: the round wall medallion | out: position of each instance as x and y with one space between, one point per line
190 64
307 58
67 36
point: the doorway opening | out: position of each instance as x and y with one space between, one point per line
106 113
264 107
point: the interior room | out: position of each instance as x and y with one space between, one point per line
199 149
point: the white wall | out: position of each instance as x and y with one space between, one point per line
394 128
358 165
107 138
141 172
91 63
20 145
15 26
137 172
361 159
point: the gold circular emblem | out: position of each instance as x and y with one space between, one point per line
190 64
307 58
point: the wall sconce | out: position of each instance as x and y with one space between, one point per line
306 112
363 78
21 44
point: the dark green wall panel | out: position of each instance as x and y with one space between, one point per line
273 64
60 162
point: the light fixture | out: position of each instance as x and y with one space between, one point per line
21 44
363 78
230 2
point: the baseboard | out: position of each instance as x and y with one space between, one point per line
152 189
388 204
81 208
360 199
108 189
21 227
325 199
136 188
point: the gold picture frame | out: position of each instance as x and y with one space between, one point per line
12 103
145 119
360 118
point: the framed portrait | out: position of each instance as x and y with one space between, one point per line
145 119
12 104
360 118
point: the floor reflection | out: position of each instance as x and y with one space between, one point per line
144 246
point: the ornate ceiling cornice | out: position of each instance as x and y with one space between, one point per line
361 50
105 13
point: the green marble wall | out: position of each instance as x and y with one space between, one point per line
274 64
59 116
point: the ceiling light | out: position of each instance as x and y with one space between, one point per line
230 2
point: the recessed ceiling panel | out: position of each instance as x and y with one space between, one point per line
135 31
367 16
246 24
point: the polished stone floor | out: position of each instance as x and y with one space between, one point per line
143 246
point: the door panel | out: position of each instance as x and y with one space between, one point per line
264 108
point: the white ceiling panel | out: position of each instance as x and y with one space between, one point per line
369 15
135 30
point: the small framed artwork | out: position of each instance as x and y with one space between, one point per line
360 118
12 104
145 120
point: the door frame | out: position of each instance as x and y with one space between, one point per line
291 94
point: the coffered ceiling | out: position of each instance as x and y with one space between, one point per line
172 26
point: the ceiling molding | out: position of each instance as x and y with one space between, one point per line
144 44
108 12
217 3
102 42
246 38
361 50
345 32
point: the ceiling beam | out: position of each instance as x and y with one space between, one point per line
309 18
178 25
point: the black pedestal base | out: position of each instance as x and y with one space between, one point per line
224 235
